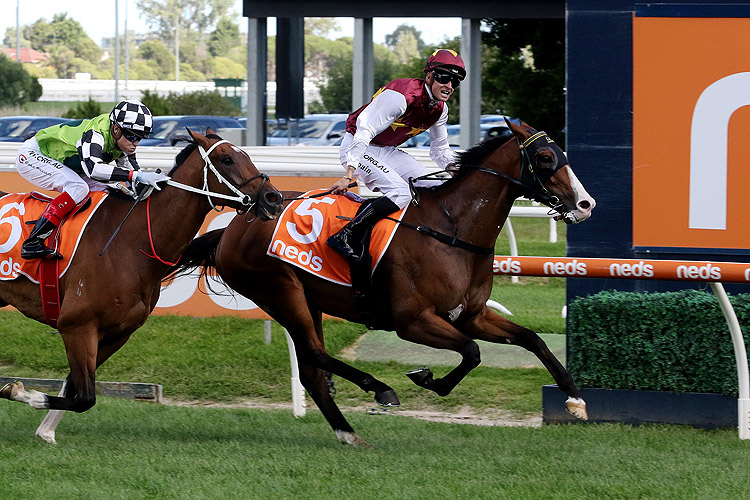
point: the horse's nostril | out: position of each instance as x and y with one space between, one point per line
272 197
584 205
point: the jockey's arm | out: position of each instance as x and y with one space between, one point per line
385 109
91 152
440 150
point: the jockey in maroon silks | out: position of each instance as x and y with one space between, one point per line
369 151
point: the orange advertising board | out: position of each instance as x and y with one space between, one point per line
691 131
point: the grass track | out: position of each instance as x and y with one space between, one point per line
126 450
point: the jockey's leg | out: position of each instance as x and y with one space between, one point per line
34 247
348 241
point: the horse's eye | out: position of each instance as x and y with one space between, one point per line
227 160
545 160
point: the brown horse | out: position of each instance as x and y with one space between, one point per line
107 296
426 290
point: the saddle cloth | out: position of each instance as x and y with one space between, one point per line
16 209
305 225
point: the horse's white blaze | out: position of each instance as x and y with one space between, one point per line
585 203
577 408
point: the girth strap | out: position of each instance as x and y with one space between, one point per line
453 241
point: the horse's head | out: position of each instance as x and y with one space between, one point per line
548 177
235 178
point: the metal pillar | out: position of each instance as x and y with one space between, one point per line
471 88
257 59
363 65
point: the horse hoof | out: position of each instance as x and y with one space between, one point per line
421 376
577 408
351 438
387 398
47 437
11 390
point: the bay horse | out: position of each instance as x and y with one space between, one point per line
426 290
106 296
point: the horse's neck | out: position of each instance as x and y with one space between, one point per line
478 205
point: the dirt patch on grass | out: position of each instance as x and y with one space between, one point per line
464 415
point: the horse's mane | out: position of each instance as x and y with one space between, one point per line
475 154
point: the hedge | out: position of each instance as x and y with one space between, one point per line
667 341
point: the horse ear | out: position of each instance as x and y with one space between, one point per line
517 131
197 138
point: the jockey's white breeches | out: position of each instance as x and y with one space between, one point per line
52 175
387 169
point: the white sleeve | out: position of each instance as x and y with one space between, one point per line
385 109
440 150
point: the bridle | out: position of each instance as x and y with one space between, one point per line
532 178
240 197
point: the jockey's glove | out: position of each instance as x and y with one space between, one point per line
150 178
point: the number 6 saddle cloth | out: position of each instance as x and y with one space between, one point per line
302 230
18 211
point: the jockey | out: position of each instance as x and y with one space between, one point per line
369 150
75 159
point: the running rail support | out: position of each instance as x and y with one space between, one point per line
298 392
740 354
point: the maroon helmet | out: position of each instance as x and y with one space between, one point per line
447 60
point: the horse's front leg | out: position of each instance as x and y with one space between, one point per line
492 327
431 330
80 348
47 428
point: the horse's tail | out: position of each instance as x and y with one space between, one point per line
201 252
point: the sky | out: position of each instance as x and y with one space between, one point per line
99 22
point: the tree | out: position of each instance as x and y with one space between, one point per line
224 37
524 72
192 16
405 42
159 55
320 26
17 86
61 32
337 93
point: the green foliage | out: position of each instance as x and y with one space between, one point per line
523 74
674 341
203 102
16 85
158 57
224 37
84 110
159 106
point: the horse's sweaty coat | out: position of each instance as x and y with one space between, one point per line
301 233
19 208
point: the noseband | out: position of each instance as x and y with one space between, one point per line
240 197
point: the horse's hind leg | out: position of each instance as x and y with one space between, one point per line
492 327
430 330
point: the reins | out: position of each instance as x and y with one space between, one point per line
529 182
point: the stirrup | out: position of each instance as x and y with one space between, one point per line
29 252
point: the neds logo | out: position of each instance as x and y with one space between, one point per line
640 270
506 266
572 268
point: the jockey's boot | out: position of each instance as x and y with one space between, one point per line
348 241
34 247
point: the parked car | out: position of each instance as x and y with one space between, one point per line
485 130
20 128
171 130
312 130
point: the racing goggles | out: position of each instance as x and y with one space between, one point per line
131 136
443 77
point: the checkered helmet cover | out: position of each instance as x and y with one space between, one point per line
134 116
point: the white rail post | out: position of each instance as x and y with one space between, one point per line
740 354
513 244
267 331
298 392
